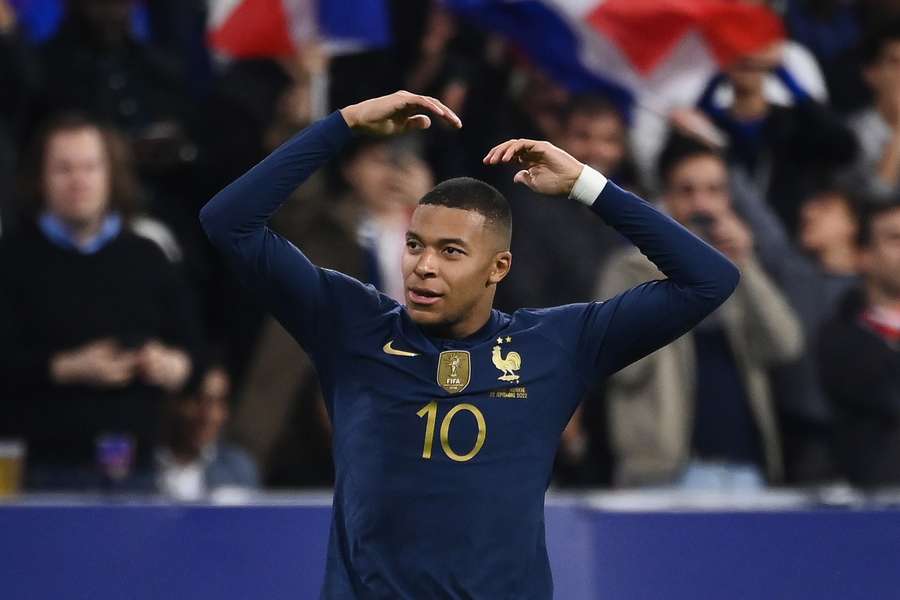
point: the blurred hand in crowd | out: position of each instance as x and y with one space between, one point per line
731 237
162 366
694 123
102 363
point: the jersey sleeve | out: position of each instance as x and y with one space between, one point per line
315 305
611 334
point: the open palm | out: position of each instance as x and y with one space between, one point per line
546 168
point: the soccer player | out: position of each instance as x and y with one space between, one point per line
447 413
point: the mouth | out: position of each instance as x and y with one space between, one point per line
422 296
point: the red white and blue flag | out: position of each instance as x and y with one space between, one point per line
256 28
629 48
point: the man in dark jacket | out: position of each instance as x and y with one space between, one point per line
860 353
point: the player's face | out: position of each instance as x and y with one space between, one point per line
451 265
76 176
881 259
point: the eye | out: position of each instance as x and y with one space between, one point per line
452 250
413 245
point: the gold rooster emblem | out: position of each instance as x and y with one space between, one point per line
512 362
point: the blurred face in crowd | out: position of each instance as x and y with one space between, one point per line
543 101
748 73
76 176
827 221
880 259
597 140
453 260
747 76
884 74
199 418
379 176
698 185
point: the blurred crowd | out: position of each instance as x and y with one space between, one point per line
131 357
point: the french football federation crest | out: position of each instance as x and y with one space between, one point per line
508 364
454 370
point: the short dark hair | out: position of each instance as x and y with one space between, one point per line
592 105
880 36
679 148
124 189
467 193
868 213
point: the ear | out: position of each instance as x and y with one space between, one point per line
500 267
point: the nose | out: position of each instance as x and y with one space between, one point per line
426 266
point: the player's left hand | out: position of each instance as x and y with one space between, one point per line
547 169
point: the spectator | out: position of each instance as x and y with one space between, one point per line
860 353
97 326
281 418
813 273
698 412
595 132
95 65
877 127
193 462
783 148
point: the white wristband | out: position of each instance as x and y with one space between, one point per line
588 186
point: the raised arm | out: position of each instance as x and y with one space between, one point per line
299 294
633 324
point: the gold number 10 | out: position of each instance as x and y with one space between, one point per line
430 410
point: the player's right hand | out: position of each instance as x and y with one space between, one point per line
397 113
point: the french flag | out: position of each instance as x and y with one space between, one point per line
259 28
659 52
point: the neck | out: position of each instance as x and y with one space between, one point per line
475 320
839 260
749 105
84 231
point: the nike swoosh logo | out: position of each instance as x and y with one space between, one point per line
388 349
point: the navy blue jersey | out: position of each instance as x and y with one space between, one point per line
443 448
